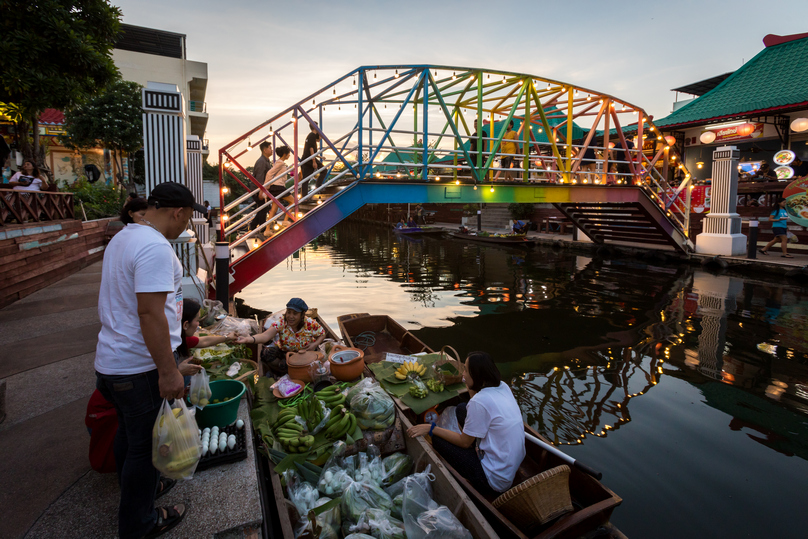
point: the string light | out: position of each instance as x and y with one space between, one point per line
492 188
548 86
475 187
396 75
589 98
249 145
353 82
576 93
374 75
276 227
457 182
454 76
312 102
271 132
335 90
225 190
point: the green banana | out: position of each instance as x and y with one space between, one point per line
342 425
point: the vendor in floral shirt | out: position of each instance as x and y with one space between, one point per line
295 332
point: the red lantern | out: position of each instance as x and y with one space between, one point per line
670 140
745 130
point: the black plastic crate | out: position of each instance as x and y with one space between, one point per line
239 451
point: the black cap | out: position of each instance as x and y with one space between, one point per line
174 195
297 304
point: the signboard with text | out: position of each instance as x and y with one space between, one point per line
738 132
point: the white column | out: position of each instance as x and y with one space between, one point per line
163 134
717 298
194 176
722 228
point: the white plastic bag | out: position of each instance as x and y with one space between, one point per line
200 392
448 420
424 518
176 447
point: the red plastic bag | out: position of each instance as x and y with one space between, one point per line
102 420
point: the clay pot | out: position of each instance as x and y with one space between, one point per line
299 364
346 363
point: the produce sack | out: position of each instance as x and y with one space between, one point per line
361 496
334 481
200 392
396 490
448 420
379 524
176 447
396 467
370 467
322 521
424 518
336 458
301 493
373 407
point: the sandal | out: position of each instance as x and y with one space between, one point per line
167 518
786 256
165 485
761 251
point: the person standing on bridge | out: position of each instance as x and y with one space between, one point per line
473 147
310 148
262 165
508 152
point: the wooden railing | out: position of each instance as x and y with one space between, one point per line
18 207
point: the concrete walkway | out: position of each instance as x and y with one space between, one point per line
47 488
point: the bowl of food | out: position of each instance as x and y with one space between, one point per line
797 208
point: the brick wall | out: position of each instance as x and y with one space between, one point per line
34 255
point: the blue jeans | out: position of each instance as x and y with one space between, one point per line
137 400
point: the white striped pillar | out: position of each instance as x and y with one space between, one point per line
163 134
722 228
194 175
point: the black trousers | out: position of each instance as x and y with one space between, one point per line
464 460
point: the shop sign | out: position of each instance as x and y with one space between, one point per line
54 129
700 199
731 133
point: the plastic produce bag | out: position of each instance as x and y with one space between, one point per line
448 420
301 493
379 524
396 490
396 467
373 407
424 518
241 326
176 447
200 392
212 312
370 467
322 521
359 536
334 481
361 496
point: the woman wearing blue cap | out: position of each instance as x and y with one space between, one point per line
295 332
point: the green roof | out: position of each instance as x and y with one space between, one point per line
774 79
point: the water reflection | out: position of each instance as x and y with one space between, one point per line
579 338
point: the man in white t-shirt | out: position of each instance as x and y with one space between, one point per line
140 306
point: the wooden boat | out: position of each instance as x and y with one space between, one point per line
593 502
445 490
418 230
506 239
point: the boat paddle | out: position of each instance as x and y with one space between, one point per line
563 456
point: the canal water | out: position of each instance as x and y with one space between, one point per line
688 390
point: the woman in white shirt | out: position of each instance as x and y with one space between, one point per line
492 420
29 178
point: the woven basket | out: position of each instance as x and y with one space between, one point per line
540 499
445 359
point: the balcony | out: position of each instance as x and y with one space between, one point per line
197 106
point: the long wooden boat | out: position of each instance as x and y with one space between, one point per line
509 239
418 230
446 490
593 502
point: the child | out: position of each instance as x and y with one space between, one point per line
190 323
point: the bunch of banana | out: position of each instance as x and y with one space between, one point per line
286 418
418 391
310 410
331 396
297 444
409 367
436 386
340 423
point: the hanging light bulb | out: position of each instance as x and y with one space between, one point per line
454 76
396 75
540 130
492 188
299 214
276 227
576 92
374 75
271 132
312 102
436 73
457 182
600 101
225 190
294 119
503 79
700 164
319 202
335 90
548 86
225 217
353 82
589 98
249 145
475 187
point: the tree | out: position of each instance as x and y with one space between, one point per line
53 54
113 119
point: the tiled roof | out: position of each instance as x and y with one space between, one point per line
772 80
52 117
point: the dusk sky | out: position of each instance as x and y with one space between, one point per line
263 56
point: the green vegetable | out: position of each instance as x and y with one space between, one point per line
361 496
396 467
436 386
